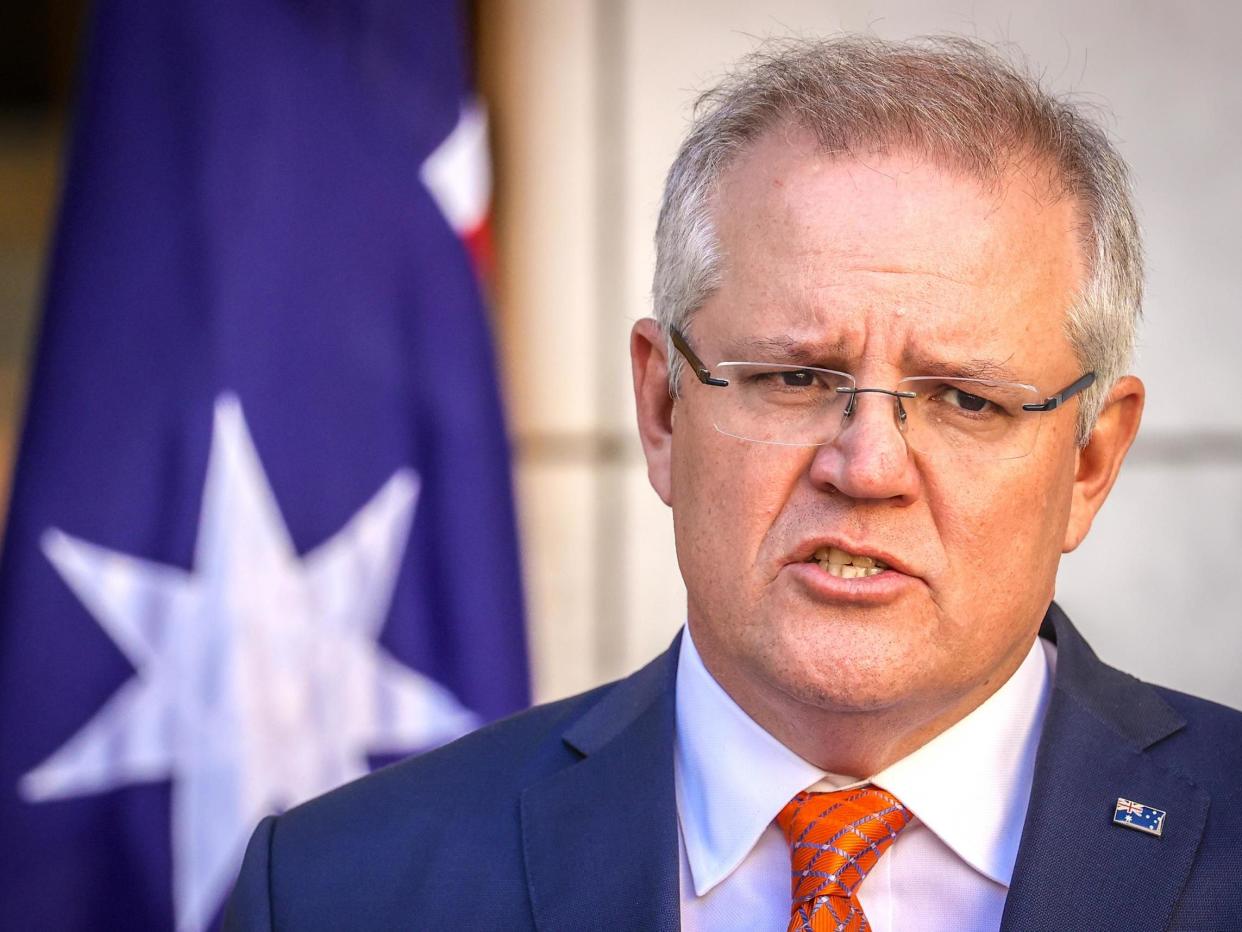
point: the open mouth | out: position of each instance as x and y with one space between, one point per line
837 562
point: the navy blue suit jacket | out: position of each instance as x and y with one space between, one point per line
563 818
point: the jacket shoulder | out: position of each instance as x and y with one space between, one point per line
1208 748
477 770
386 847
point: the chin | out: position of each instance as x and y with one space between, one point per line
846 671
847 693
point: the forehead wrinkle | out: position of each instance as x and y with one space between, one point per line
896 270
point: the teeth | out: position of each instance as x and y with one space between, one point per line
848 570
838 562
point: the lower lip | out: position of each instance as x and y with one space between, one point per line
876 590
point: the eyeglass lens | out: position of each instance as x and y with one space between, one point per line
967 419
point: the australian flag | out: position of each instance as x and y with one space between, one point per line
262 532
1136 815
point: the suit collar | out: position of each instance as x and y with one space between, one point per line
624 702
600 836
1073 860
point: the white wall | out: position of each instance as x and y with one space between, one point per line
591 99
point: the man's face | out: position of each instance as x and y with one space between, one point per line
879 268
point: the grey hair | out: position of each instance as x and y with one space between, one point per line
953 100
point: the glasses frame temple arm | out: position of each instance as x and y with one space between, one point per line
704 374
1052 402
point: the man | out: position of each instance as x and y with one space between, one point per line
896 294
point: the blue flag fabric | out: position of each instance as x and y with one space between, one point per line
262 529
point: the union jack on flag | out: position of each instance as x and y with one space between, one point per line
1135 815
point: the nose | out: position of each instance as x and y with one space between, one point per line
869 458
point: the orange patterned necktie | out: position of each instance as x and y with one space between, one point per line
834 840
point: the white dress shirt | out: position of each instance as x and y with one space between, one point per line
949 868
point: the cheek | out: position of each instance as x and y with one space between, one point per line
718 494
1003 535
727 495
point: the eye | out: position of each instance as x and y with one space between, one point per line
797 378
975 404
787 384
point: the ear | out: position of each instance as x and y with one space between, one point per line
1100 460
649 362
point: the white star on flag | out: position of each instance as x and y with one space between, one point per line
459 172
260 682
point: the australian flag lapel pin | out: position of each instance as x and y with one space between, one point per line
1137 816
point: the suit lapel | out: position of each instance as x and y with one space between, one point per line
1075 868
600 836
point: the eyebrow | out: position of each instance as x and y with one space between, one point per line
789 349
786 349
978 368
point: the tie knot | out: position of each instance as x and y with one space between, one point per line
836 838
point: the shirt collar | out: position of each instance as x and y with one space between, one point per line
969 785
